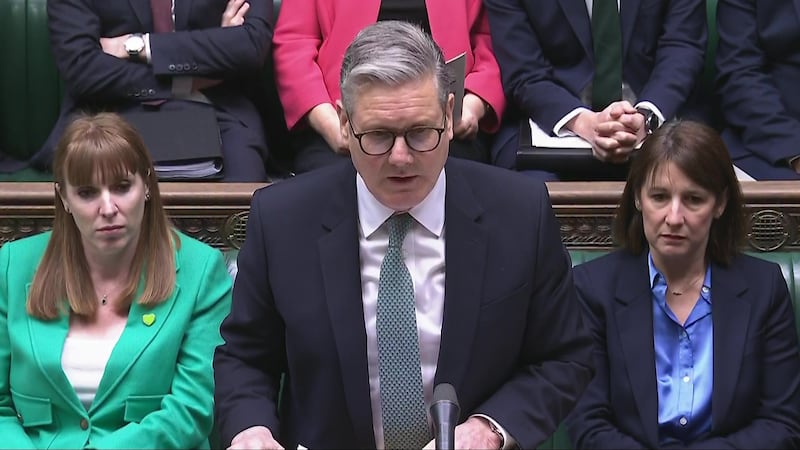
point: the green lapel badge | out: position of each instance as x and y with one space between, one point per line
149 319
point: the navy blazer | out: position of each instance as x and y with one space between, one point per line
544 48
198 47
513 344
755 401
758 70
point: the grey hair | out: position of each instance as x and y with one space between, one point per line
392 53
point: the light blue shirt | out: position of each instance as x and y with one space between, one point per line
684 363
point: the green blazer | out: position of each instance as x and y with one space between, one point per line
157 388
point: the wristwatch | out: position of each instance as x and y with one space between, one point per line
134 45
497 431
651 120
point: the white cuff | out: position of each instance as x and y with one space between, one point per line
508 441
560 129
148 55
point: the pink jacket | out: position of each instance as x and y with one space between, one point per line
311 37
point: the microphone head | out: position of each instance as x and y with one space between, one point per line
444 392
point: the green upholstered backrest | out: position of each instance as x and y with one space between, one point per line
30 89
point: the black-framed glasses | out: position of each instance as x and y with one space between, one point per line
380 142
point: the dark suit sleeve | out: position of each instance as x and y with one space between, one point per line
88 73
527 74
555 353
777 421
248 366
216 51
591 424
679 55
750 100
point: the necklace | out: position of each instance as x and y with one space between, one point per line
104 300
685 288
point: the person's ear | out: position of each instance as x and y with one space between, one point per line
61 197
722 203
344 119
451 100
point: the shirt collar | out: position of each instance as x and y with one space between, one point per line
657 278
429 212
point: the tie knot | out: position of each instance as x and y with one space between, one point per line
398 227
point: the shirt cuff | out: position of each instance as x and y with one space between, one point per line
147 53
560 129
508 440
651 107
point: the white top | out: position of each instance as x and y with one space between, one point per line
84 360
423 253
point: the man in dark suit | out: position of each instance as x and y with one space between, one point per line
321 301
546 51
758 70
174 56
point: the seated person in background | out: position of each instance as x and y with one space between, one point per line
395 271
108 323
758 72
199 57
607 71
310 40
696 345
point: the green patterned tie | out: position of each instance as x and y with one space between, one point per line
405 422
607 46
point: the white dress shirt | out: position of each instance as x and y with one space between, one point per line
423 254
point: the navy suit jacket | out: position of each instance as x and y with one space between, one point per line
198 47
755 401
544 48
512 344
758 70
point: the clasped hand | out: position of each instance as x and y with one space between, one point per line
613 132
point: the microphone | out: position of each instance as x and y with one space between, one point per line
444 412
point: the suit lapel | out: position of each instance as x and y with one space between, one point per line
730 312
797 9
634 318
628 12
576 13
135 338
341 273
143 13
47 341
465 257
182 8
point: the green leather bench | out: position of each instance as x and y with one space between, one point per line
31 90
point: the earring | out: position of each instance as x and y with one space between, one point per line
147 196
66 208
637 205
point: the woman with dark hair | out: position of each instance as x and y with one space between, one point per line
695 342
108 323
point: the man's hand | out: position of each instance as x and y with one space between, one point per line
474 433
325 121
256 438
115 46
472 111
233 16
613 133
796 165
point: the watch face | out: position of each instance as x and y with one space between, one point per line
134 44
